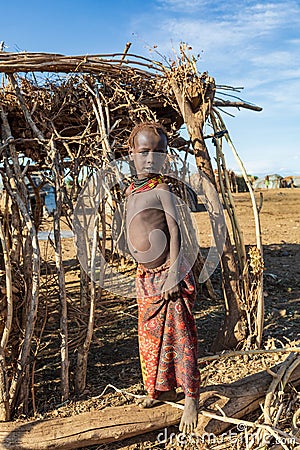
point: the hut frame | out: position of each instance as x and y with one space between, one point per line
80 114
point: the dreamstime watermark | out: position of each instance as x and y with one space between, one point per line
97 193
241 436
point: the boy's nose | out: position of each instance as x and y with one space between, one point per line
150 158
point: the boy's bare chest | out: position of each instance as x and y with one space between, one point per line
143 203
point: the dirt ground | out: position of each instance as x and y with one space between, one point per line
114 354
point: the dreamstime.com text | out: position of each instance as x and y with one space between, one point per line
242 435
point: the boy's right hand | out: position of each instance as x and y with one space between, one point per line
170 289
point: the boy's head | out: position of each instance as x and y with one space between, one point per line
155 127
147 148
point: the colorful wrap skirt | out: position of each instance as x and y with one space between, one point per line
167 334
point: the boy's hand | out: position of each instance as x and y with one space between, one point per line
170 289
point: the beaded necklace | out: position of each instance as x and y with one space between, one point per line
146 184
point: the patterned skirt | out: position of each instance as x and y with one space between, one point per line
167 334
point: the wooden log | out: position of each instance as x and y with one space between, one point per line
237 399
116 423
92 428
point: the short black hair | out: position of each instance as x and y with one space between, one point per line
157 127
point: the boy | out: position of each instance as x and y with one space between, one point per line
165 289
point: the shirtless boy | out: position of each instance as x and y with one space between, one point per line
165 288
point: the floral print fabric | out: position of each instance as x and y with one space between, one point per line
167 334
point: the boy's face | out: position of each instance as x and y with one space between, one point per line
148 152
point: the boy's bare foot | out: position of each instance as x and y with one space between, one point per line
189 417
167 396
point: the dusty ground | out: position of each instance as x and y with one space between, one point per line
114 353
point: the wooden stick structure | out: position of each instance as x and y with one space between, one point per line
64 118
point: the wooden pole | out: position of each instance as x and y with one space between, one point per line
58 179
15 186
58 250
83 351
232 330
4 401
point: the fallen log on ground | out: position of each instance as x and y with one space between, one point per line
117 423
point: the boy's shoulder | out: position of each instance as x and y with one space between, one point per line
163 186
127 191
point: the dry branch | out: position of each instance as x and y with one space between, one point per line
234 104
94 64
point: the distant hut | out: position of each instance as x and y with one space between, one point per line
296 181
290 181
274 182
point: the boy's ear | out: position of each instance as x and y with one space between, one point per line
130 153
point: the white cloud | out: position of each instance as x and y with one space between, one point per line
293 41
263 18
276 59
183 5
254 44
244 30
240 47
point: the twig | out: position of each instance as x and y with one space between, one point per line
273 386
248 352
122 391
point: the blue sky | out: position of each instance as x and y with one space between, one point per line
249 43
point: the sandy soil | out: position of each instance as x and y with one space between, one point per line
114 354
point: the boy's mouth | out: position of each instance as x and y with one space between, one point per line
151 169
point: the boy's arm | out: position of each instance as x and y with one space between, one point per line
171 286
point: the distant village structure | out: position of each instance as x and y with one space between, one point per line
276 181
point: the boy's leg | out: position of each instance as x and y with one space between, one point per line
189 417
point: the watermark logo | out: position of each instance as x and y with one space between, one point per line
241 435
100 201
